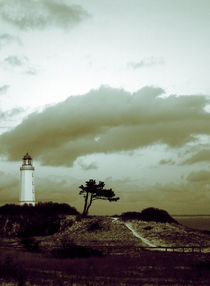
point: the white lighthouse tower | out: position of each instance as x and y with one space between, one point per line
27 192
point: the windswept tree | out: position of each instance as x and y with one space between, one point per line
93 191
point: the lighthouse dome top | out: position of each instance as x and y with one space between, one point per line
27 157
27 163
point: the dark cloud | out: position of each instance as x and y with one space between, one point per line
147 62
4 89
118 119
39 14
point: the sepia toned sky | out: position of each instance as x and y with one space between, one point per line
113 90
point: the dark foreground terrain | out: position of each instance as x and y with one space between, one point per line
70 250
20 267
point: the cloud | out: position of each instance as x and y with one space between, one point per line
183 198
31 71
9 188
6 39
54 188
4 89
87 166
202 176
13 112
167 162
201 156
7 116
123 121
177 198
147 62
15 61
20 63
39 14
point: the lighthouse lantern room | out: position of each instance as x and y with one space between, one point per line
27 191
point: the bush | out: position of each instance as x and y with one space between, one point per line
30 244
69 249
158 215
94 226
48 208
39 225
149 214
76 251
147 228
130 215
26 225
28 220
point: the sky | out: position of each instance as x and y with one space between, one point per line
112 90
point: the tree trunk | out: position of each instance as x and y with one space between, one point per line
90 203
85 205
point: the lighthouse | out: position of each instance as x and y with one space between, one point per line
27 191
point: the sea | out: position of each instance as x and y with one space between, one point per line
201 222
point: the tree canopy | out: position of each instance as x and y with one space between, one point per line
93 191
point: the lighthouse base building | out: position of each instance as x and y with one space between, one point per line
27 190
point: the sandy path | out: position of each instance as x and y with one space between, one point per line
144 240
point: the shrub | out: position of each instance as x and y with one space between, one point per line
158 215
69 249
48 208
30 244
28 220
147 228
26 225
94 226
39 225
79 217
76 251
149 214
130 215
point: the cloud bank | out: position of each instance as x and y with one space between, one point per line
39 14
107 120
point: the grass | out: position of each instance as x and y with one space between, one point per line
37 268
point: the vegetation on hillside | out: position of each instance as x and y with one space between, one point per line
28 220
149 214
48 208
